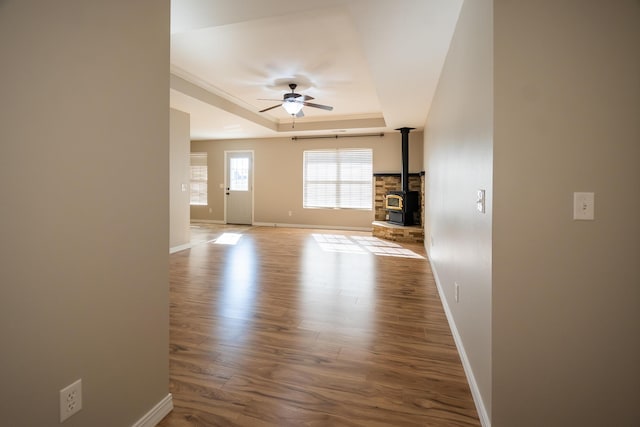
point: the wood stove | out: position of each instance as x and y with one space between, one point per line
403 206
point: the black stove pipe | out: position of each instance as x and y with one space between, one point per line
404 177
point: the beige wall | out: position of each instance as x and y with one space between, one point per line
278 176
458 159
84 132
179 232
566 294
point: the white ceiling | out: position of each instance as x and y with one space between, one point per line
377 62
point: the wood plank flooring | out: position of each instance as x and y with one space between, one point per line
295 327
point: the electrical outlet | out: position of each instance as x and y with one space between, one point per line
457 291
70 400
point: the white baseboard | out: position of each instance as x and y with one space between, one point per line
285 225
207 221
179 248
473 385
157 413
320 227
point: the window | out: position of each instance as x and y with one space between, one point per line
239 174
198 183
339 178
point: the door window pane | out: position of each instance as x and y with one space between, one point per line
239 174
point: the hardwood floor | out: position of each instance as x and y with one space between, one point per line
294 327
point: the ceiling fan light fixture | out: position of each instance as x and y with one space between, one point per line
292 107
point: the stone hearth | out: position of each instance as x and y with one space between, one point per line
398 233
384 183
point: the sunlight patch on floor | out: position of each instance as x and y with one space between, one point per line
362 245
337 243
227 239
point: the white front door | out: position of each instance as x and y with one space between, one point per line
239 187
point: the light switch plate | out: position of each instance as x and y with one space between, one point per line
583 206
480 201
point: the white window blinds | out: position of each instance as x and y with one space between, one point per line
338 178
198 180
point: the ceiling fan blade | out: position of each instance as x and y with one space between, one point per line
270 108
307 98
324 107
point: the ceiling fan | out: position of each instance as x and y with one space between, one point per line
293 102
